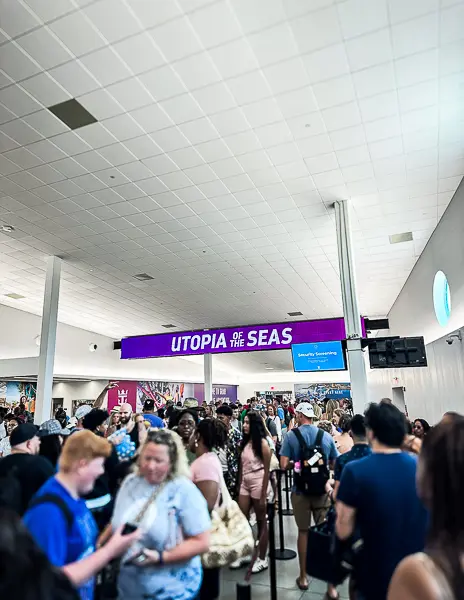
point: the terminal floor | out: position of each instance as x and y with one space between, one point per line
287 572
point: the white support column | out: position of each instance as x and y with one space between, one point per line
356 362
208 365
43 405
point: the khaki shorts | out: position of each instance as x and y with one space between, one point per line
306 506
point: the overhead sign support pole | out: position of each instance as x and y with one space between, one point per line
353 327
208 365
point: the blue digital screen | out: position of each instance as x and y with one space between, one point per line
324 356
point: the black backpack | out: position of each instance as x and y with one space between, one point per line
11 495
314 474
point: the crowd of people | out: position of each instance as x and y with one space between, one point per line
120 504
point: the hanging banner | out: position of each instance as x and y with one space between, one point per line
273 336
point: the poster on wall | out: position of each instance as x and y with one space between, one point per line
319 391
136 393
13 392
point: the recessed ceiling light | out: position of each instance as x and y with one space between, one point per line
15 296
269 368
398 238
295 314
73 114
7 228
169 326
143 277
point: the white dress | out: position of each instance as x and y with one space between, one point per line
5 448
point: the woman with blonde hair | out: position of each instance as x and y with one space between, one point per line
330 407
172 513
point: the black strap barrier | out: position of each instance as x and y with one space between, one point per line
243 590
272 551
282 553
287 511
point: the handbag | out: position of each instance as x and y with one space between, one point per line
231 534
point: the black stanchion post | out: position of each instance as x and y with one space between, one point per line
287 511
272 551
282 553
243 590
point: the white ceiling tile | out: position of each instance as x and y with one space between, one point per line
198 131
374 80
46 150
45 89
353 156
265 176
16 62
314 145
20 132
6 143
369 50
274 134
307 125
415 36
142 147
292 170
159 165
152 117
130 94
418 95
340 117
186 157
324 162
374 16
201 174
358 172
176 39
262 112
23 158
17 19
225 28
47 11
249 87
197 71
296 102
419 119
381 105
450 24
77 33
214 98
386 148
106 66
74 78
139 53
255 15
100 104
383 128
284 153
155 12
317 29
175 180
230 122
190 194
117 154
44 48
213 150
252 161
122 24
403 11
417 68
274 44
334 91
326 63
286 76
227 167
163 83
234 58
123 127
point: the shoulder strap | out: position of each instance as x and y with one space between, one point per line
57 501
319 436
300 439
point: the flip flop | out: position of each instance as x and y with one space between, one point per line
302 587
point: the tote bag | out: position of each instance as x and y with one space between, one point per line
231 534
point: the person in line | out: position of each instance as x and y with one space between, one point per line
420 428
150 414
230 455
114 422
11 423
80 413
330 407
3 412
23 472
273 419
305 506
187 420
137 433
377 496
344 440
411 443
60 521
173 518
450 415
360 448
52 436
25 571
235 422
206 470
438 573
255 463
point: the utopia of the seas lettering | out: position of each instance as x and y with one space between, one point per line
213 341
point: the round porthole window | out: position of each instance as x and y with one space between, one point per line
441 298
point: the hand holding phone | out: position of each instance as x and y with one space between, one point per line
128 528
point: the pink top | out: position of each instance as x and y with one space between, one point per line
250 462
207 467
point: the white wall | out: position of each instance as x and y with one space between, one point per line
433 390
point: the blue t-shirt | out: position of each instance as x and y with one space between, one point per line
357 451
281 414
154 421
291 446
389 515
61 544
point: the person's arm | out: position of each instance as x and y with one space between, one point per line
347 503
412 581
266 462
210 491
279 428
99 401
286 454
346 520
192 546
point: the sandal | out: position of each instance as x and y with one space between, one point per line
302 587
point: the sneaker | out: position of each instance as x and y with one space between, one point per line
240 562
260 565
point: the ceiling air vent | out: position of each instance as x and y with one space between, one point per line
73 114
169 326
143 277
295 314
398 238
15 296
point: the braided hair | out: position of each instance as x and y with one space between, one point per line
213 433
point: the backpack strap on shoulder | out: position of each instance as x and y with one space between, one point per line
300 439
57 501
319 436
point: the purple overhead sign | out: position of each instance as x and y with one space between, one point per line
273 336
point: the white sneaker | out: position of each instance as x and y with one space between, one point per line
260 565
240 562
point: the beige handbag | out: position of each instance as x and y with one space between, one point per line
231 534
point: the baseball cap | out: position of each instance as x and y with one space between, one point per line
149 404
24 433
82 411
53 427
306 409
